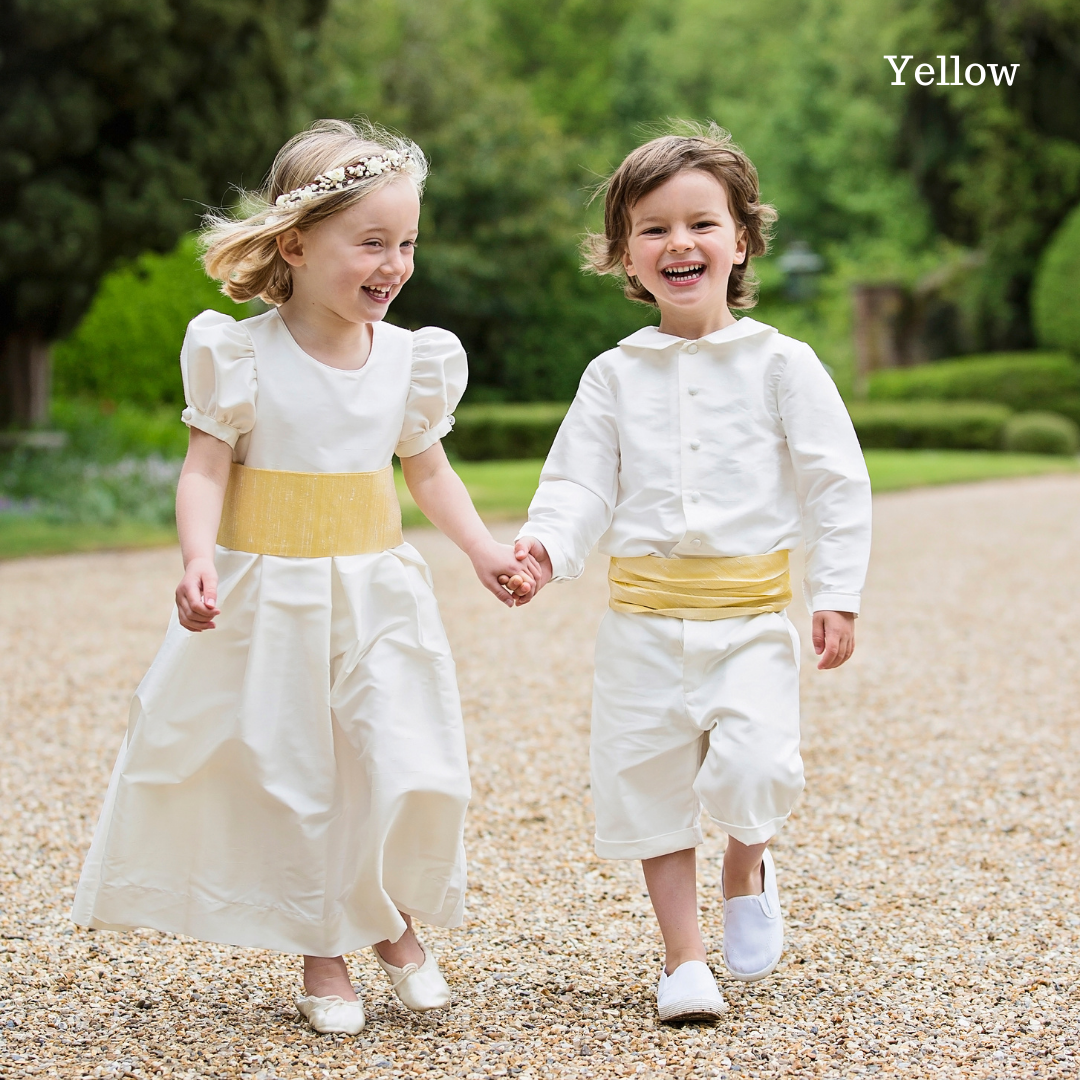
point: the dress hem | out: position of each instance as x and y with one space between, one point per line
250 927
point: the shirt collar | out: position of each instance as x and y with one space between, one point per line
649 337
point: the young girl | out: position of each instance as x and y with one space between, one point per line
296 780
696 452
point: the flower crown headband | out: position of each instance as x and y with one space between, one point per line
344 177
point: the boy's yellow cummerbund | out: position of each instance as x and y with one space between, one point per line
310 515
701 588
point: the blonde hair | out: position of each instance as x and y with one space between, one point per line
690 146
241 250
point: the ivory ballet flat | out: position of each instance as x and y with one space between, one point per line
332 1015
419 988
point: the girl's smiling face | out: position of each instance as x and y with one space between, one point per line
682 245
355 262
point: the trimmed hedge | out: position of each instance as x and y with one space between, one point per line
1041 433
929 425
1055 294
1025 382
498 432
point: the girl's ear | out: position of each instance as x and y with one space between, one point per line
628 264
290 245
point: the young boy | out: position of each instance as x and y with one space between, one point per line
698 453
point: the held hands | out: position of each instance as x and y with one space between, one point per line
196 595
834 638
532 572
501 574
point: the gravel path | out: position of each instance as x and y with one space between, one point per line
929 874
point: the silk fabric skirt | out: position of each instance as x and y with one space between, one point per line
295 777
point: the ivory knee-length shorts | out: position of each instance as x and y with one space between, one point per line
687 715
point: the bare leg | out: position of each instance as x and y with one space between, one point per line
406 950
672 883
327 976
743 875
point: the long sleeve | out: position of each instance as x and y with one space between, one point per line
831 481
579 483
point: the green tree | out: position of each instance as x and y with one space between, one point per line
119 121
570 53
999 166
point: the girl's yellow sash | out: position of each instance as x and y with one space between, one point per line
310 515
701 588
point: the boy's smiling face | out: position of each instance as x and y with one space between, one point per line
682 245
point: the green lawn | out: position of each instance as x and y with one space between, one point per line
31 536
893 470
502 489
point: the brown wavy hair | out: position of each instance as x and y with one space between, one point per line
688 145
240 250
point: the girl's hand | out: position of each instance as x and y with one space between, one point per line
196 595
495 566
834 637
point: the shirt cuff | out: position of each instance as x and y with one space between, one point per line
561 570
834 601
425 440
202 422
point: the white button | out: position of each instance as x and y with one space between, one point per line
695 444
695 543
694 496
692 390
691 348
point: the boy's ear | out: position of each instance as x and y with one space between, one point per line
740 247
290 246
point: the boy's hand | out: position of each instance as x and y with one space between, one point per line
534 566
500 573
834 637
196 595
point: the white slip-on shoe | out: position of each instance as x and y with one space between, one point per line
419 988
754 929
332 1015
689 991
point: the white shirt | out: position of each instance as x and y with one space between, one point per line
735 444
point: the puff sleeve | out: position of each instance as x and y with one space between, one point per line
439 374
218 365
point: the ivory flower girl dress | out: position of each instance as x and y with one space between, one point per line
294 778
